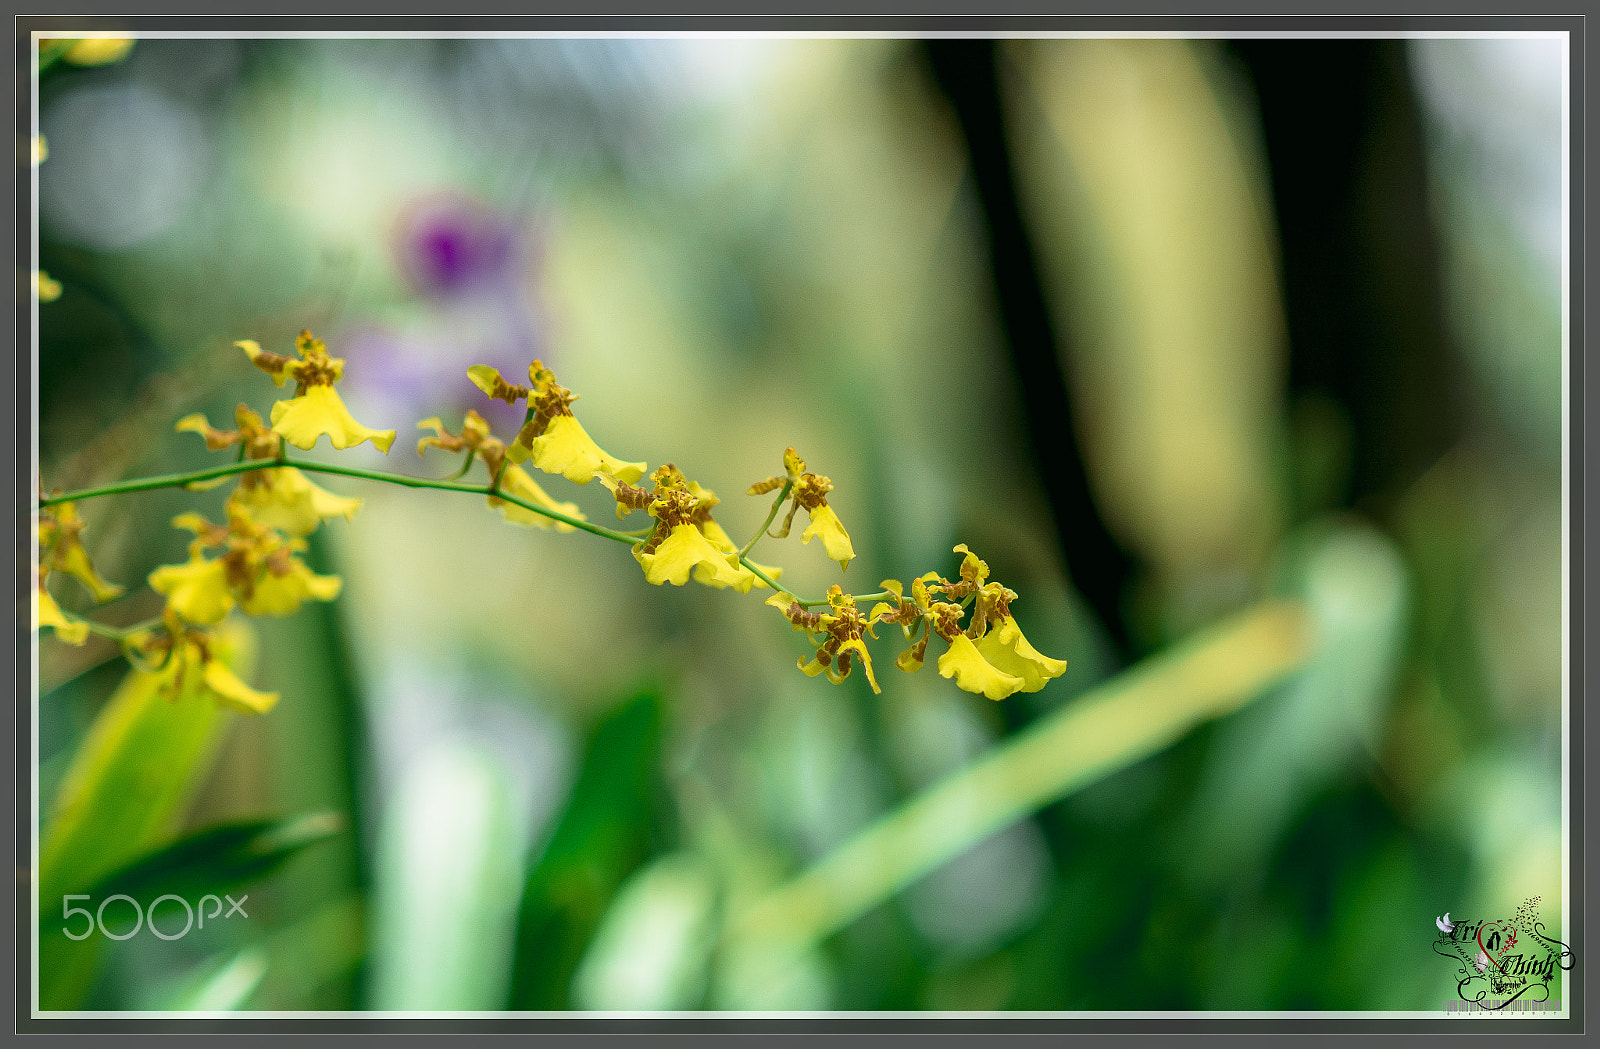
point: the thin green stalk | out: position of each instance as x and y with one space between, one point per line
145 484
772 515
465 466
1108 728
117 634
759 574
858 598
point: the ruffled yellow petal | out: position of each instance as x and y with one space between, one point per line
719 538
73 559
301 420
835 540
47 613
972 672
288 500
282 595
324 503
687 551
197 591
235 693
1005 649
515 481
564 448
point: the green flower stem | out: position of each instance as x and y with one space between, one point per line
772 515
145 484
1108 728
858 598
119 634
465 465
475 489
759 574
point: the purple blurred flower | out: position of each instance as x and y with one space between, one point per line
477 269
450 246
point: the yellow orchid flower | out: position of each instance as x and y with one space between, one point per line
62 550
971 671
991 657
1005 649
840 632
682 542
316 408
552 438
197 590
258 570
46 613
184 659
286 584
228 689
286 499
475 436
686 550
825 524
301 420
281 497
809 491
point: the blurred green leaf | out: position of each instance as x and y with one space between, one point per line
136 767
450 863
603 836
213 861
653 947
220 986
314 952
1265 765
1135 714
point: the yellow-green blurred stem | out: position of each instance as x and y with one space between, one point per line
772 515
1115 724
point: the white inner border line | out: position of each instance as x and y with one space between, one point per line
1566 835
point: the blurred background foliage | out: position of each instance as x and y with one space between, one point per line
1159 327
